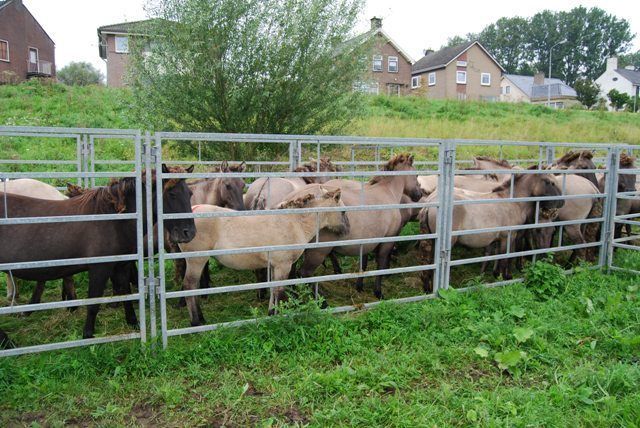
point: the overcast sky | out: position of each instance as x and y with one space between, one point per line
414 24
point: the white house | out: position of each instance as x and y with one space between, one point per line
537 89
625 80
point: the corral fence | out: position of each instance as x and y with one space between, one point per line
91 157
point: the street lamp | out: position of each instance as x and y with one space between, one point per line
549 84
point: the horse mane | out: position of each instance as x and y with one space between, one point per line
626 161
501 162
74 190
109 198
299 202
312 166
506 184
391 165
307 167
168 184
570 156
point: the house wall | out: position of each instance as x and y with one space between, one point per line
607 83
516 95
116 64
384 77
22 31
568 102
477 62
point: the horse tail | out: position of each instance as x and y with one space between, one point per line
259 202
592 230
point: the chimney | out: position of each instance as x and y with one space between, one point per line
612 63
427 52
538 78
376 23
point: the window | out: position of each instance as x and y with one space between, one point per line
461 63
432 79
415 82
393 89
507 90
485 79
393 64
615 79
4 50
122 44
377 63
461 77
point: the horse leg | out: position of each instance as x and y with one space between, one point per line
488 251
192 275
363 268
261 276
121 279
69 290
278 293
98 276
12 289
576 237
36 296
426 256
205 279
504 264
383 259
337 269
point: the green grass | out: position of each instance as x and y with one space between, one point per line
428 364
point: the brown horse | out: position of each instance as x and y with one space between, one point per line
489 215
222 191
266 193
88 239
380 190
578 160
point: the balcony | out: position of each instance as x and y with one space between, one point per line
39 69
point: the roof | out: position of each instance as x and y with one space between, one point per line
133 27
632 76
361 38
525 84
443 57
4 3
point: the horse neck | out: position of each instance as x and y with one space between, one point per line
392 184
308 223
520 190
209 190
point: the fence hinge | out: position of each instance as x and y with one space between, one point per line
449 156
151 152
149 282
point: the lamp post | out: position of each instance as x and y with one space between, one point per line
549 84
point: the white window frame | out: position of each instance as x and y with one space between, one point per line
115 42
415 82
391 59
461 63
378 58
507 90
482 75
432 74
461 81
8 52
29 49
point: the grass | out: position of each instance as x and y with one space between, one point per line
493 357
438 363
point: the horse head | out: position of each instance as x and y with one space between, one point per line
176 198
230 189
403 162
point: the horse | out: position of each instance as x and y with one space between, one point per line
87 238
480 216
267 192
474 182
633 209
37 189
223 192
218 233
626 183
578 160
380 190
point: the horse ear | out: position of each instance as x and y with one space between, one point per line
190 169
224 166
165 168
410 159
242 167
334 194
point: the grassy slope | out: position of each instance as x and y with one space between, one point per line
409 365
338 370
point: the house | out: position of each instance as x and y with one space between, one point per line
113 45
537 89
390 66
625 80
464 72
26 50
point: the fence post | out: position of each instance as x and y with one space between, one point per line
140 203
150 279
447 162
609 208
551 155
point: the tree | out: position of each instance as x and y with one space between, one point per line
632 59
80 74
506 39
256 66
618 99
587 91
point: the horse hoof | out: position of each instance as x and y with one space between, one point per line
87 335
379 295
271 312
196 323
72 308
113 304
134 324
26 314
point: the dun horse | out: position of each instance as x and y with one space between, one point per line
88 239
381 190
489 215
218 233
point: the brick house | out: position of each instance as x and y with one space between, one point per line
26 50
113 45
464 72
390 67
